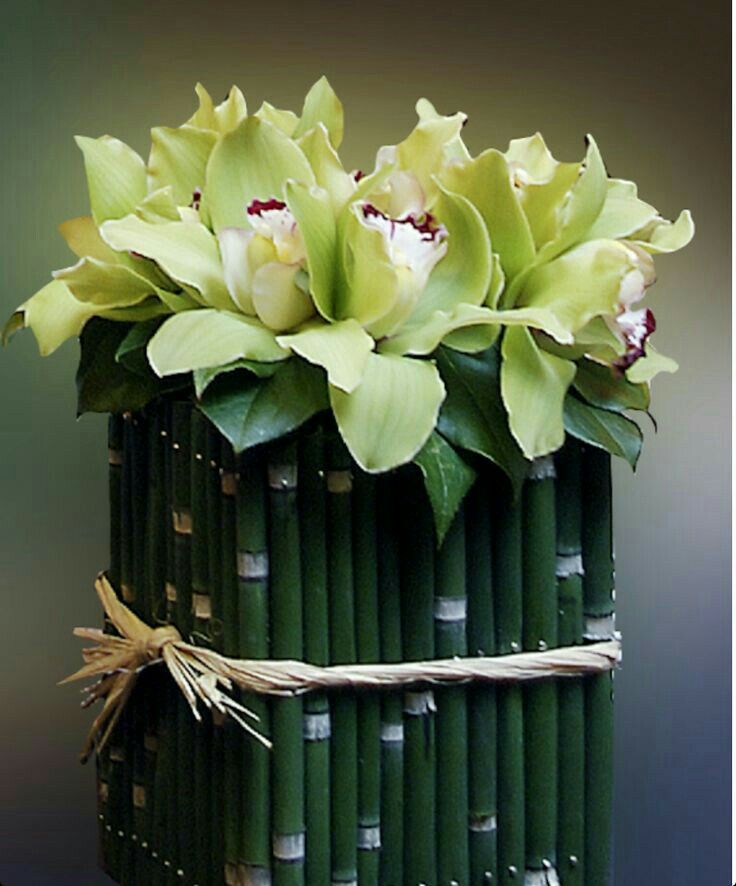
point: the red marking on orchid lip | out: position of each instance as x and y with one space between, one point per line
635 341
425 224
258 207
135 254
358 174
196 198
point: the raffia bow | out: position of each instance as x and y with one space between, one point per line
202 674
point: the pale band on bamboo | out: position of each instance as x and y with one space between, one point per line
252 566
482 824
546 877
317 727
450 609
369 837
288 847
569 564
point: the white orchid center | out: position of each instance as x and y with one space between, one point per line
273 220
413 242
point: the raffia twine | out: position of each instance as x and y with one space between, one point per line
207 677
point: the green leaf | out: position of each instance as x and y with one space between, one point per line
203 378
52 314
252 162
605 388
313 212
205 338
179 159
486 182
447 479
104 285
341 348
249 411
387 419
116 176
131 352
104 385
473 416
464 274
321 105
186 251
607 430
533 387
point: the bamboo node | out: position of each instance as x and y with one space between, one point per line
282 477
369 837
117 754
228 483
252 566
317 727
542 468
339 482
253 875
202 606
450 609
127 592
171 592
599 627
182 520
569 564
482 824
289 847
139 796
546 877
114 457
392 732
417 704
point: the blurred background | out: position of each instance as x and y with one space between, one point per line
650 81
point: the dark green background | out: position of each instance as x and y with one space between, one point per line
650 81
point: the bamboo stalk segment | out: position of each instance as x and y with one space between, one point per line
392 725
450 614
540 632
252 562
570 693
482 724
598 598
507 599
317 722
287 764
417 629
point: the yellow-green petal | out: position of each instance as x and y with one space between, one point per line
327 166
533 387
279 302
179 158
116 176
104 285
83 238
286 121
205 338
159 206
251 162
647 367
53 315
223 118
387 419
663 236
341 348
321 105
622 213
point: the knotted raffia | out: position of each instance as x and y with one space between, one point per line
202 674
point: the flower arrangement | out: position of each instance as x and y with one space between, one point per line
439 304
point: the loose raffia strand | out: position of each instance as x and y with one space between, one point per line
202 674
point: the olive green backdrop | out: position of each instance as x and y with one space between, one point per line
650 80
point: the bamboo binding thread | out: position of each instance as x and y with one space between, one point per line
202 674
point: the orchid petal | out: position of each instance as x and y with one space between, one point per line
533 158
622 213
327 166
83 238
223 118
116 176
236 267
341 348
251 162
186 251
647 367
321 105
207 337
104 285
179 158
533 387
387 419
159 206
279 302
52 314
286 121
663 236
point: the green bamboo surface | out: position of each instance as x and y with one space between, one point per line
312 528
570 693
365 566
417 628
287 763
598 602
392 726
482 724
344 742
252 567
507 598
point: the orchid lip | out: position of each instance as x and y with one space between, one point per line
425 224
635 334
196 198
258 207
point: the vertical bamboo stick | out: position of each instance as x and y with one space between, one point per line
450 613
253 568
344 744
392 725
417 628
482 726
365 569
312 530
570 693
507 598
287 764
540 700
598 594
181 516
202 616
232 739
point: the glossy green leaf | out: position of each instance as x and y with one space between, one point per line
473 415
607 430
203 378
486 182
340 348
131 352
447 479
204 338
104 285
249 411
251 162
179 159
314 214
387 419
321 105
533 387
604 387
116 176
186 251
